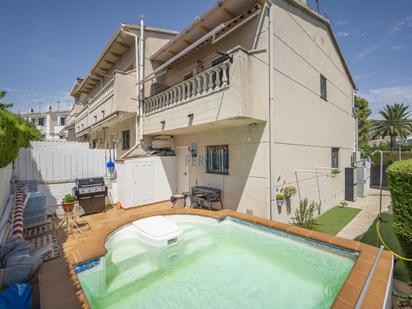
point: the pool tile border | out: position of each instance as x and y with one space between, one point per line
347 296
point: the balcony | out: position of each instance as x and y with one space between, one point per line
212 80
228 93
115 98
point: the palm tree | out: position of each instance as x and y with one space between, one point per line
396 123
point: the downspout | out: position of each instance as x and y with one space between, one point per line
271 110
136 44
141 76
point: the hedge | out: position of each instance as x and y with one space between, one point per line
400 185
15 132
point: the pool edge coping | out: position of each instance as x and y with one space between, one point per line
350 290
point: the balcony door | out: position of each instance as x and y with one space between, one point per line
182 169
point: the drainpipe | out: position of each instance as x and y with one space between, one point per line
271 110
136 45
141 76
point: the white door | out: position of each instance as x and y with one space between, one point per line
182 169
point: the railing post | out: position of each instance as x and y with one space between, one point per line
199 85
225 78
217 74
193 81
210 75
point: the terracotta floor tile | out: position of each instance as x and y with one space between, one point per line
377 286
368 249
318 236
299 231
362 266
341 304
349 293
345 243
372 301
381 273
356 278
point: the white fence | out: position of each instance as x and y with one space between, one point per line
53 162
5 177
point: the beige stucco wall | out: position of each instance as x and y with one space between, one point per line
246 186
114 130
306 126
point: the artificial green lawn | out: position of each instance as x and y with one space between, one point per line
388 235
335 219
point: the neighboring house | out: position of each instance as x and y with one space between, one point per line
50 123
106 99
235 124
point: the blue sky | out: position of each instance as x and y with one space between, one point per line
46 44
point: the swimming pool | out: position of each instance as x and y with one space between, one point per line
227 263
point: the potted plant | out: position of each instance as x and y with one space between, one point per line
289 191
279 199
334 172
68 202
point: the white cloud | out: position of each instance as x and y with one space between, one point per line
395 27
396 47
344 34
407 21
25 99
379 97
341 22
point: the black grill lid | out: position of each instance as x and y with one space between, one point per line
89 182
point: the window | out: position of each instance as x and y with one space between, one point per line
94 143
125 139
323 91
217 159
62 121
40 121
335 157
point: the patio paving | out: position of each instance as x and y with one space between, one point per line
369 210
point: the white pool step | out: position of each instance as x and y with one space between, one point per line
131 275
126 252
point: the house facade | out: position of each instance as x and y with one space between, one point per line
50 123
105 101
255 96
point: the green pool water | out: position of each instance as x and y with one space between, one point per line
225 264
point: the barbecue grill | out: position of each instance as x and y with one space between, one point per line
91 193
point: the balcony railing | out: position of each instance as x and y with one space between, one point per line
202 84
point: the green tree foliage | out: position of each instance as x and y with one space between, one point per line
363 112
396 123
4 106
15 132
400 185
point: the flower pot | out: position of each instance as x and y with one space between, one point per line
68 207
279 202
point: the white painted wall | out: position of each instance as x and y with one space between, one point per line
143 181
5 176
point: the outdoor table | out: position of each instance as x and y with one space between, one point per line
211 194
67 216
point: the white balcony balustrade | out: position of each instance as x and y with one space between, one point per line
211 80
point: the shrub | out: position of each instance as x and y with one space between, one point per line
304 214
290 190
400 185
15 132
